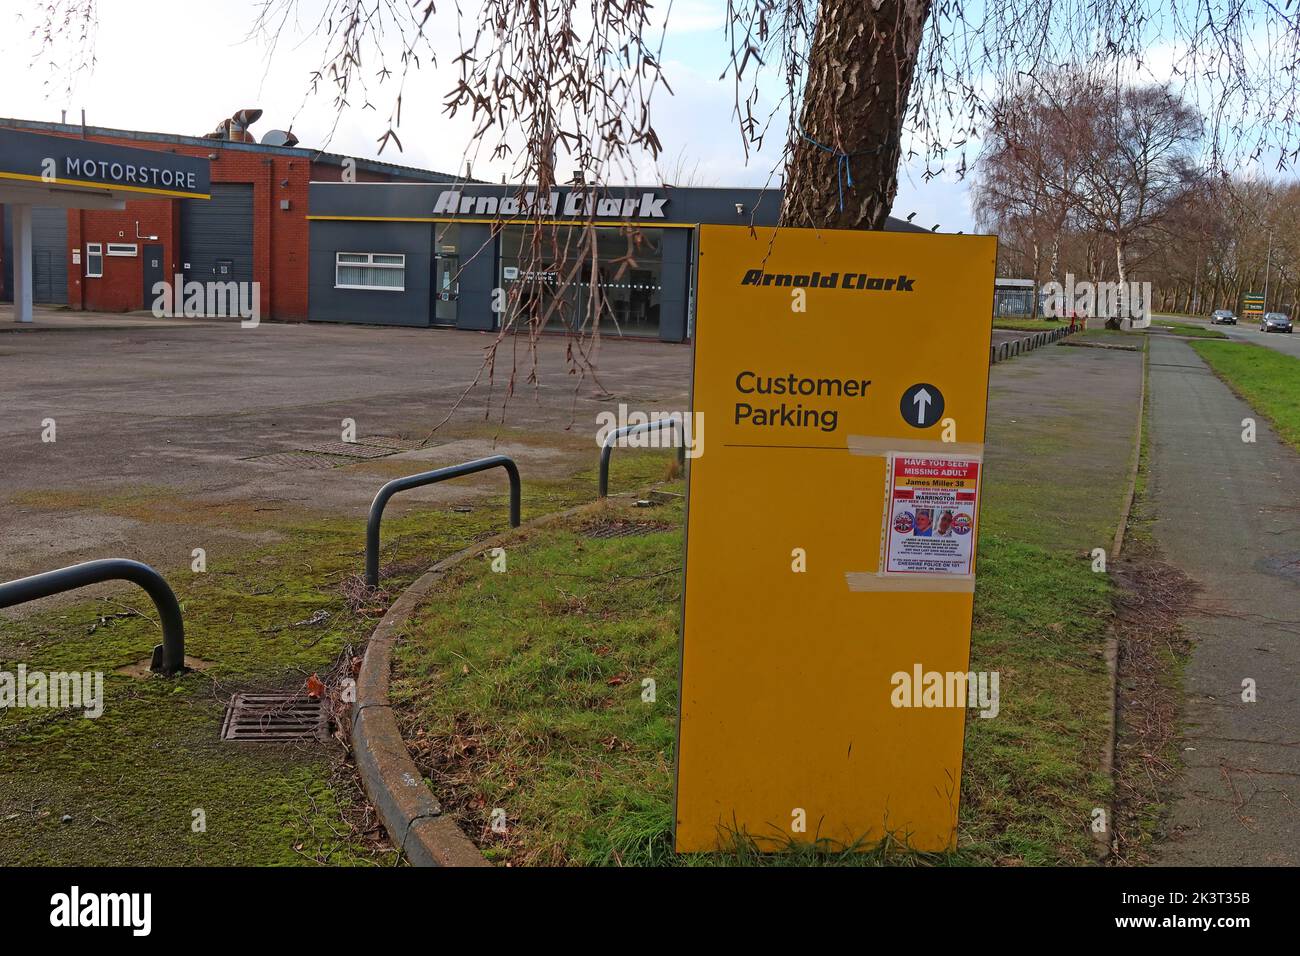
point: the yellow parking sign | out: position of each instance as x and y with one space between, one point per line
831 528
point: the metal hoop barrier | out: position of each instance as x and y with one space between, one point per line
613 437
169 656
431 478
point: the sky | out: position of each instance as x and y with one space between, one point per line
181 66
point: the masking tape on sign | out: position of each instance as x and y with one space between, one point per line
878 447
866 581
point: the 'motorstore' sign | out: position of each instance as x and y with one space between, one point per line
65 161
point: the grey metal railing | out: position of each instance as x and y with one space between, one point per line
432 478
1005 350
169 656
607 448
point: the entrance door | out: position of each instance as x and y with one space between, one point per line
153 272
446 288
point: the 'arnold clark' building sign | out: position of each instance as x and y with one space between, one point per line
64 161
562 204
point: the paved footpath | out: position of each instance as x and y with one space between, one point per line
1228 514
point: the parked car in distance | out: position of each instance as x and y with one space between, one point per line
1275 322
1223 317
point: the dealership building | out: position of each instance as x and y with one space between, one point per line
433 255
249 225
332 239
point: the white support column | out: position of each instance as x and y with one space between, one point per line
21 219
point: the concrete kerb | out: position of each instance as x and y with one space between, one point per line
1111 652
409 811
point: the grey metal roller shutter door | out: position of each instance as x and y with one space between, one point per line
50 254
217 234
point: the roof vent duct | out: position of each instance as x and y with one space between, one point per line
235 129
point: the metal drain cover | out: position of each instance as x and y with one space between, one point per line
274 717
347 449
620 529
396 443
304 460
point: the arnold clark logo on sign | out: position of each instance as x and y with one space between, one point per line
571 204
829 280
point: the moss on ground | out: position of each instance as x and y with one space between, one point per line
132 779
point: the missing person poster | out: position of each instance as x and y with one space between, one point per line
931 519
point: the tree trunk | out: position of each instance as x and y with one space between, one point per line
1121 269
844 170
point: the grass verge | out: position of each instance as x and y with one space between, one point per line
1110 337
1266 379
1189 329
1028 325
524 692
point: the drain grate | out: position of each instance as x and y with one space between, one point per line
396 443
303 460
620 529
348 449
273 717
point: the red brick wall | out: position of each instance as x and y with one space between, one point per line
121 288
279 235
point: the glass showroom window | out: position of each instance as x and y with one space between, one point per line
556 276
379 271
